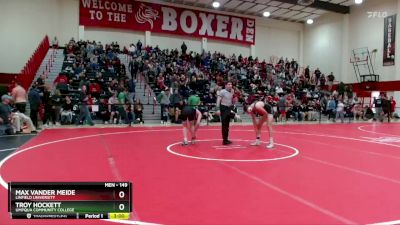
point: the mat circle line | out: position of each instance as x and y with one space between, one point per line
295 150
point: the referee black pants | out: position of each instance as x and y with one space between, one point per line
225 120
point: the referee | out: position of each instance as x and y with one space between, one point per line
224 106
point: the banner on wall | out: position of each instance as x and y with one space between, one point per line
143 16
389 44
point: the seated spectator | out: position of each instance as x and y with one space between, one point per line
18 121
113 109
57 103
5 116
297 112
104 112
138 110
94 90
66 112
61 83
129 114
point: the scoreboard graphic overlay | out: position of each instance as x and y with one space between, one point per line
83 200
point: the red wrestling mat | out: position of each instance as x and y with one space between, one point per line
316 174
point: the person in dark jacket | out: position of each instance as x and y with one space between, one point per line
34 102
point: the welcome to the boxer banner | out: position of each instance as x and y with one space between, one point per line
136 15
389 38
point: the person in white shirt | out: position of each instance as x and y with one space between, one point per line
340 111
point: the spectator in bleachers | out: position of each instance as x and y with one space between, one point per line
183 48
138 110
392 106
104 113
132 49
122 96
139 46
131 90
331 107
54 43
378 108
113 108
340 110
61 83
84 113
56 108
331 79
94 89
163 100
66 112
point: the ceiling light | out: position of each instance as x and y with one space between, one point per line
358 1
310 21
266 14
216 4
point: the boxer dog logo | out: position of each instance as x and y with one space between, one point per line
146 14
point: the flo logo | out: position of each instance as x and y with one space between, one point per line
146 14
28 215
377 14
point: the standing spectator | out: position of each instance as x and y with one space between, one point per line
224 106
139 46
378 108
84 108
282 108
133 68
5 115
163 99
132 49
340 111
131 90
20 97
385 105
183 48
307 72
34 102
331 78
54 43
317 73
40 83
121 106
113 108
48 107
392 106
330 108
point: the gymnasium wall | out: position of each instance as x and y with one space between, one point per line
24 23
368 32
329 42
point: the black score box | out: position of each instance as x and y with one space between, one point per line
112 216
